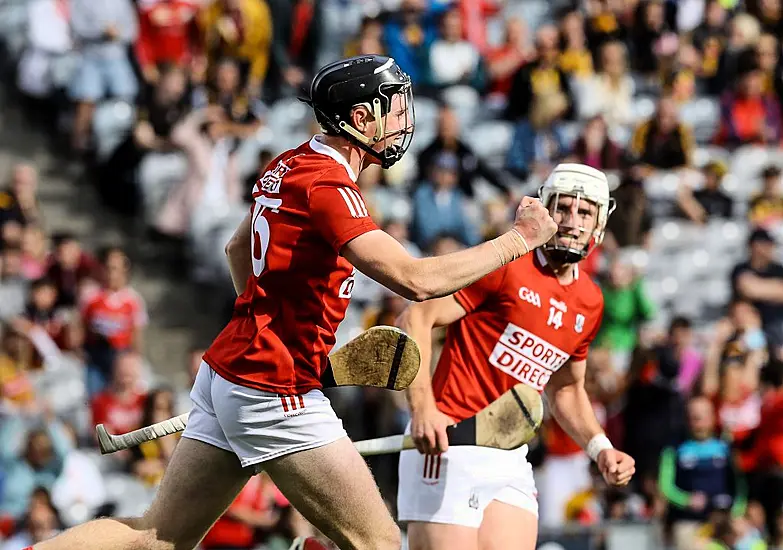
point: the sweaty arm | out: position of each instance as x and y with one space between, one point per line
570 404
417 321
379 256
238 253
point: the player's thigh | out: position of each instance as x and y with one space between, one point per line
507 526
434 536
200 482
332 487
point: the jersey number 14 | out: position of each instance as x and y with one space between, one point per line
260 227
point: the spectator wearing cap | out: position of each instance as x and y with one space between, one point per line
709 201
749 115
439 206
766 209
469 165
760 280
698 476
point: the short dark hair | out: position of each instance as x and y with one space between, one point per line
680 322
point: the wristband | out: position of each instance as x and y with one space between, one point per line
597 444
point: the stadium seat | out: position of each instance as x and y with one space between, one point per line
662 186
490 140
156 174
703 116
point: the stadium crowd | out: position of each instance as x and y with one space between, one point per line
175 107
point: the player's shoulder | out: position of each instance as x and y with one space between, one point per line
310 164
589 290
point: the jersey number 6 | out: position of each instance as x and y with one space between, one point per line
260 228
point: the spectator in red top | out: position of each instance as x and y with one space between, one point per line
121 406
167 34
748 115
258 506
504 61
113 318
69 267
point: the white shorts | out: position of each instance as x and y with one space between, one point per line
458 485
255 425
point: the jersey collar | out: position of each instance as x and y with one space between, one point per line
542 260
324 149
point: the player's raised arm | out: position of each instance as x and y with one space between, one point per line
428 424
378 255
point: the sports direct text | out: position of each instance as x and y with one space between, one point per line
526 357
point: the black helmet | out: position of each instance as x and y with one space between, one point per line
372 81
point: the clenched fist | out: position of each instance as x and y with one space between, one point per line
534 222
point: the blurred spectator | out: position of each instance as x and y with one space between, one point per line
439 205
13 285
120 407
39 523
368 41
113 318
655 409
748 114
760 280
538 143
631 222
47 58
540 79
70 268
738 55
32 458
767 59
504 61
159 114
59 323
709 201
17 392
259 507
408 34
150 459
662 142
297 36
242 30
103 31
594 147
609 93
698 476
475 14
470 165
452 60
168 34
80 490
575 60
709 38
651 37
34 252
731 371
19 203
626 308
766 208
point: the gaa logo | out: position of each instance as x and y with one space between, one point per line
530 296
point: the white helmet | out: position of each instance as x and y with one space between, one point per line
581 182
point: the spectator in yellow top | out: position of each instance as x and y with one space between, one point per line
662 142
241 29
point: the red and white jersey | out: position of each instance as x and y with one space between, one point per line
307 206
522 325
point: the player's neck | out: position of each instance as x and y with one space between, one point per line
565 273
353 154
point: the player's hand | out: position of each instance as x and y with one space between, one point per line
428 430
534 222
616 467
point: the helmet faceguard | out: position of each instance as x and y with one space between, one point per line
582 216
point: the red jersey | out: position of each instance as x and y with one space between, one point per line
118 416
307 206
114 316
522 325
